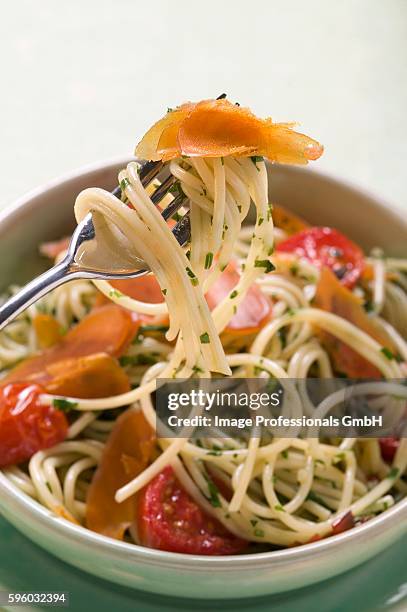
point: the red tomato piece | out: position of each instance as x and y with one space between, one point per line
388 448
324 246
26 426
343 523
169 519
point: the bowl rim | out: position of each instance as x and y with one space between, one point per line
81 535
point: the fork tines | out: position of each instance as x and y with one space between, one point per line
148 172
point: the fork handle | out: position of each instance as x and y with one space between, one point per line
34 290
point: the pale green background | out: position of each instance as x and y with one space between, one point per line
81 80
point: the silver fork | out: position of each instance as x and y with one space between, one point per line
86 254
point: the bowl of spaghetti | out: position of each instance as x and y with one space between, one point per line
289 274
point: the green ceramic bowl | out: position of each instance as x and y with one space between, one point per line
46 214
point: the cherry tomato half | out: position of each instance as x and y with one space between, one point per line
26 426
388 448
324 246
169 519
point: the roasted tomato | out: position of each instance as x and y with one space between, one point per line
218 128
388 448
169 519
26 426
334 297
343 523
324 246
128 451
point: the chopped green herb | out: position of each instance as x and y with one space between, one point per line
264 263
253 522
279 508
259 533
387 353
115 293
176 217
124 183
368 306
169 109
191 274
176 189
221 97
234 310
164 291
204 338
255 159
213 493
284 454
260 221
338 458
63 404
208 260
233 294
197 370
393 474
215 453
239 208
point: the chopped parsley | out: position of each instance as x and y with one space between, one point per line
260 221
221 97
115 293
253 522
208 260
215 453
213 494
204 338
164 292
63 404
255 159
284 454
176 189
124 183
279 508
233 294
393 474
387 353
192 276
259 533
264 263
